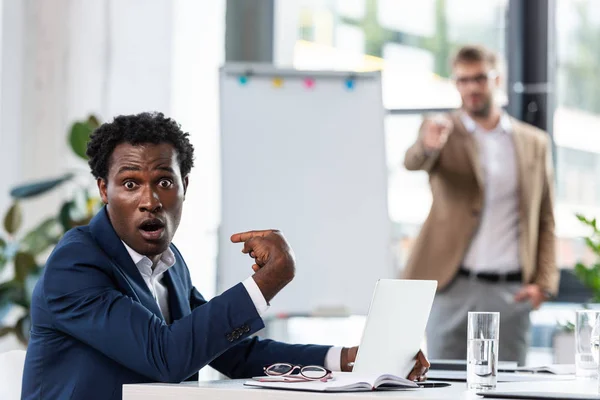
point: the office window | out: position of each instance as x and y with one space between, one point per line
576 179
411 41
576 123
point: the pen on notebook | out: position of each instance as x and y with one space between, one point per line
433 384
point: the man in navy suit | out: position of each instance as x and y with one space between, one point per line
116 305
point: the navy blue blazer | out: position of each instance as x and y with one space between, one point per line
96 326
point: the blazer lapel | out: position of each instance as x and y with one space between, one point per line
471 149
105 235
179 303
521 158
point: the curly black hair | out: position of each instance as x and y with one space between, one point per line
137 129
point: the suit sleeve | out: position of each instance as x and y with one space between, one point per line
86 305
417 158
547 274
248 357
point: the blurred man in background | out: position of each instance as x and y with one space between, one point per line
489 238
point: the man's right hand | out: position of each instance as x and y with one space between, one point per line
274 259
435 132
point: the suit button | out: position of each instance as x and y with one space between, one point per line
237 335
229 337
246 329
476 213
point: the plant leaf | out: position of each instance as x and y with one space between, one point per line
594 279
580 268
64 216
46 234
79 137
13 218
582 272
24 264
2 257
11 292
36 188
582 218
592 245
93 121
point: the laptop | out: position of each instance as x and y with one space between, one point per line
395 326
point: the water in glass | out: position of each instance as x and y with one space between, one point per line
482 363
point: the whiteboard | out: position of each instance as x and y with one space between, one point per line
306 157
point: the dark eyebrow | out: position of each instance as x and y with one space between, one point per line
166 168
128 168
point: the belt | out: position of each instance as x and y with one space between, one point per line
491 277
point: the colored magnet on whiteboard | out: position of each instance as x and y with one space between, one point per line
309 83
277 82
350 83
243 79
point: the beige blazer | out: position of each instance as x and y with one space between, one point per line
456 179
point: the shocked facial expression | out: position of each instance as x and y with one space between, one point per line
144 193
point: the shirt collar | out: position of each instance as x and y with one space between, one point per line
168 257
504 125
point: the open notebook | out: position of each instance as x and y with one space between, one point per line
340 382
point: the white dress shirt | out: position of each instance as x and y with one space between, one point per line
495 246
154 280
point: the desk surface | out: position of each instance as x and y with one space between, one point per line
235 389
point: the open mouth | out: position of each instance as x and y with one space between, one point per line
151 229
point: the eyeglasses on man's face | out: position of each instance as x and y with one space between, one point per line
478 79
308 372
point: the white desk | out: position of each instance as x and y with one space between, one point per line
234 389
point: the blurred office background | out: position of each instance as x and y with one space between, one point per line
61 60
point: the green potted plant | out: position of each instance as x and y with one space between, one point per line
589 275
25 251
